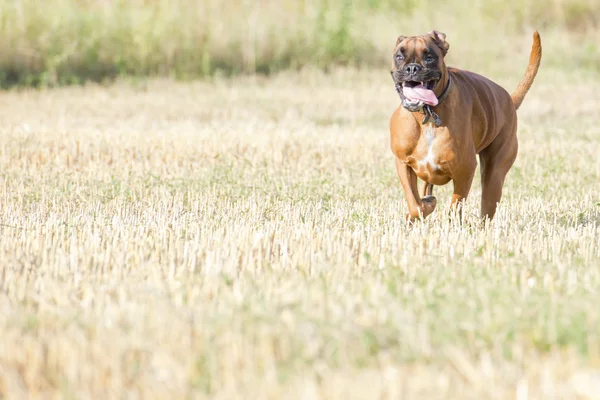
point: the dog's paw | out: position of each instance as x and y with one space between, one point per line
428 204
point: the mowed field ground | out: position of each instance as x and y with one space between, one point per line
245 238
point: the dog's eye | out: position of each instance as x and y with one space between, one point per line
399 57
429 59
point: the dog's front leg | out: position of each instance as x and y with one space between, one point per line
416 208
462 186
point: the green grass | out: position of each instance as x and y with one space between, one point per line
67 41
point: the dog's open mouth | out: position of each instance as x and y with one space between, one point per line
429 84
416 92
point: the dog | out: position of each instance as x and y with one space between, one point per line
447 117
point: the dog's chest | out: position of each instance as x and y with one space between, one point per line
430 160
429 155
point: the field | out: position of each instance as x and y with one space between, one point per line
198 200
244 238
48 43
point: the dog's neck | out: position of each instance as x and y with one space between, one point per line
441 88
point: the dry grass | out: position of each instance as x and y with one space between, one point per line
245 239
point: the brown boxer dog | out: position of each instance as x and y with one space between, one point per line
447 117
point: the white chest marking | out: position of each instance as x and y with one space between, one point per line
429 160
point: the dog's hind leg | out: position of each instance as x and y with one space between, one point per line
495 162
427 189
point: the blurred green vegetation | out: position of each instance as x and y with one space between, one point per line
54 42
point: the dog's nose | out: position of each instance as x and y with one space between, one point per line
412 69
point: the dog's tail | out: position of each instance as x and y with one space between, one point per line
534 63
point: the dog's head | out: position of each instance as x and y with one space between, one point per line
417 68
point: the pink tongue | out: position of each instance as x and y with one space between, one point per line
420 93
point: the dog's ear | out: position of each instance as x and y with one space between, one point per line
400 39
440 39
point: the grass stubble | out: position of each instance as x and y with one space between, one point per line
245 239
